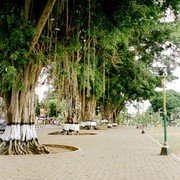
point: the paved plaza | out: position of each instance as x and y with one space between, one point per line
114 154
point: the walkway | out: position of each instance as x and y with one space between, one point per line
114 154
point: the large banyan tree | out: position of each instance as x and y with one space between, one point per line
107 53
22 55
89 35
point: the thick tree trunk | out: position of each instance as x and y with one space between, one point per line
70 90
20 136
115 115
71 97
106 113
111 112
88 111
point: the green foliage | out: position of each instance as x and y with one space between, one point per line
52 105
148 118
39 105
95 83
16 42
172 98
53 108
15 36
117 43
128 38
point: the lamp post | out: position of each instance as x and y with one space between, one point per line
165 148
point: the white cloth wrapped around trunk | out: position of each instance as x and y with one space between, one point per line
19 132
88 123
73 127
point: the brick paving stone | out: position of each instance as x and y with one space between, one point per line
113 154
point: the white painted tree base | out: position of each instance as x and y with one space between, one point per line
71 127
20 140
19 132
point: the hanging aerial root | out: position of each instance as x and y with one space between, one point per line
21 149
37 146
10 151
4 148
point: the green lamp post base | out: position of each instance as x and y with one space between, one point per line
165 150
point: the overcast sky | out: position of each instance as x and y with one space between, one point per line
171 85
176 83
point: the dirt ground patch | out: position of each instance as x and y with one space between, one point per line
80 133
173 136
57 148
